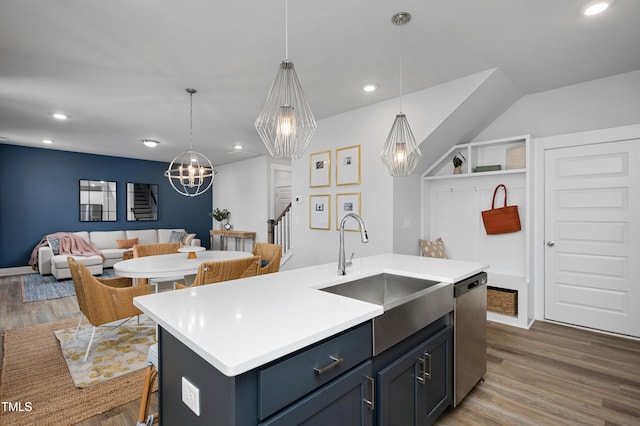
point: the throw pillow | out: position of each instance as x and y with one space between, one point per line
126 244
54 243
433 248
186 240
176 237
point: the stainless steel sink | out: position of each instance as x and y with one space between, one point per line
410 304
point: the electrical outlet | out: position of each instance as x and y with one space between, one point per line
191 396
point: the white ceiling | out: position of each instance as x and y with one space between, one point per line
119 68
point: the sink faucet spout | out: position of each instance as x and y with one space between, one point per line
363 237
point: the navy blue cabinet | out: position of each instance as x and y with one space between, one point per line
346 401
417 387
334 382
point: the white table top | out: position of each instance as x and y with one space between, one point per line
171 265
239 325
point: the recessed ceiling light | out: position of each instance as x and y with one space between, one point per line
370 87
237 147
595 7
59 116
47 141
150 143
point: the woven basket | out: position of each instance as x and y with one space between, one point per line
502 301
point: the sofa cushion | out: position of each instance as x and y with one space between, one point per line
114 253
60 261
144 236
54 243
165 234
105 239
126 244
188 239
176 237
84 235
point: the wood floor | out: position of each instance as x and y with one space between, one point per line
548 375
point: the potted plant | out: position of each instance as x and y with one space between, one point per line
220 215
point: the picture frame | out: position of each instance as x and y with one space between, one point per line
320 169
348 202
320 211
348 165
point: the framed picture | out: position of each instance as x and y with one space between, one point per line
320 169
348 165
347 203
319 211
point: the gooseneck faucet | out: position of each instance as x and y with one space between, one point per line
363 236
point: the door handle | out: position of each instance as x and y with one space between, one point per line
370 402
425 371
551 243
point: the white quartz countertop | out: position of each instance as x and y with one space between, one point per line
239 325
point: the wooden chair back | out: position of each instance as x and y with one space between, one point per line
225 270
103 300
271 253
141 250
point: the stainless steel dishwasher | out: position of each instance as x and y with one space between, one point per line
470 334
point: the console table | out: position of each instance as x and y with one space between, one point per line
225 235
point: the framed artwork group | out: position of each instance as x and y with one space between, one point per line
347 172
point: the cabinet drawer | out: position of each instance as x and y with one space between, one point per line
286 381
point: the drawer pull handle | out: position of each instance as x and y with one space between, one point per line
425 371
335 361
369 402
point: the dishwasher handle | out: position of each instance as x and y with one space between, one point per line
462 287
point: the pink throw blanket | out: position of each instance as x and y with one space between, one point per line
70 244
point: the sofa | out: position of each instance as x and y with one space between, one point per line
108 243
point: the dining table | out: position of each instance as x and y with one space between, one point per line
169 266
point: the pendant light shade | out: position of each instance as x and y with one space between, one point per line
285 122
191 173
401 153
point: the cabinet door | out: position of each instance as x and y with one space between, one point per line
416 389
435 387
342 402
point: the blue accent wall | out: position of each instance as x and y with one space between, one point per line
39 195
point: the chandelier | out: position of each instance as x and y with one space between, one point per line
285 122
191 173
401 153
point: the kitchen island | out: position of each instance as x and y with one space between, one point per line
227 339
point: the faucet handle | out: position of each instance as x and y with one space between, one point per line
350 261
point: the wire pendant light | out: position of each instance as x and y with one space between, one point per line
401 153
285 122
191 173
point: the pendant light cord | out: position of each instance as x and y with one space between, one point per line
401 57
286 30
191 121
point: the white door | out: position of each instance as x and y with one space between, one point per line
592 236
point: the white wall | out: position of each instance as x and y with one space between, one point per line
598 104
243 189
368 127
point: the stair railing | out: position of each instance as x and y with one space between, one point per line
279 230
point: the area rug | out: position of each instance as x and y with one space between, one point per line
36 287
115 351
34 372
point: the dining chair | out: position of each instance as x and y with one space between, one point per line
224 270
270 254
151 374
103 300
142 250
